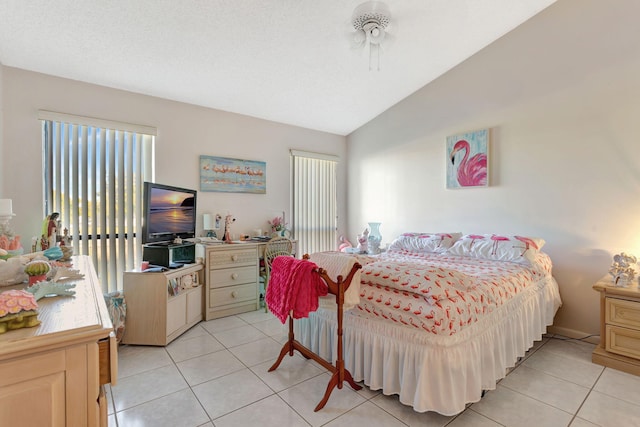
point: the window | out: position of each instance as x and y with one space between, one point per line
93 177
314 201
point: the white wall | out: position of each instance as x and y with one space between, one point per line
1 129
184 133
561 95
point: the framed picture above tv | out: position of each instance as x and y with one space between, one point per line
226 175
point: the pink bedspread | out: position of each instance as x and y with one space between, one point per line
441 294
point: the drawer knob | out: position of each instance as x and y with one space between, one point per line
234 294
234 276
234 257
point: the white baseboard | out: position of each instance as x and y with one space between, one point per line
572 333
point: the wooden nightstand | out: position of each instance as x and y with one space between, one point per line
619 326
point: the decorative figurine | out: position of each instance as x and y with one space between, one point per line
50 227
66 239
344 244
12 270
65 245
65 274
37 271
18 309
228 220
9 242
363 241
40 289
374 239
622 271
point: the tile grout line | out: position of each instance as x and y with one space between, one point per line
573 415
586 397
519 363
274 393
190 387
322 372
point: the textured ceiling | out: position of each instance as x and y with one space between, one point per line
290 61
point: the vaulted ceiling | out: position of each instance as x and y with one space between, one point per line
290 61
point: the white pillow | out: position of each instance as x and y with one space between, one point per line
503 248
424 242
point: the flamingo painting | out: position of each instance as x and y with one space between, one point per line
467 154
228 175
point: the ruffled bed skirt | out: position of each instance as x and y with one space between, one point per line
435 373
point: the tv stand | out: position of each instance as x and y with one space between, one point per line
162 305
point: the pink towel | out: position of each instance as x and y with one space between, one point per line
293 287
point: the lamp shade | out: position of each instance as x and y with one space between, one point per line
206 222
6 208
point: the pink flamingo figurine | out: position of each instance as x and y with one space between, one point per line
344 244
228 220
471 172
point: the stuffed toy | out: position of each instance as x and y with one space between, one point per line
344 244
363 241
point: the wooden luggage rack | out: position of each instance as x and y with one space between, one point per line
340 374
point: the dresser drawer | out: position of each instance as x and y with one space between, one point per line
108 359
621 312
232 258
233 294
232 276
623 341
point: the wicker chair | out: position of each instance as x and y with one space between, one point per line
275 247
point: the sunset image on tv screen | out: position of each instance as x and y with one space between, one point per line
170 211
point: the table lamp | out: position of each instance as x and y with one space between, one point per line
208 225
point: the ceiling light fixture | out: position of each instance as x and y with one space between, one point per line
370 20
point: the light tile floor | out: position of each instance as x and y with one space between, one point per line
216 375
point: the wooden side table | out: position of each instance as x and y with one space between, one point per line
619 326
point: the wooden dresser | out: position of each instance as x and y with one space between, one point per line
52 374
231 279
619 326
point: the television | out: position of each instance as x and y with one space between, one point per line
169 213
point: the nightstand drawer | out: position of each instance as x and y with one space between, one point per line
622 313
623 341
233 294
232 258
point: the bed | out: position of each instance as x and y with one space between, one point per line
441 317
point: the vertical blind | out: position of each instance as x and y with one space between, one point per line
314 201
94 172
